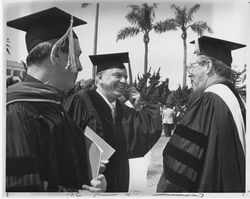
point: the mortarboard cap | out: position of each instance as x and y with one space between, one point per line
45 25
216 48
108 61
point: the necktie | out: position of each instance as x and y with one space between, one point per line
113 112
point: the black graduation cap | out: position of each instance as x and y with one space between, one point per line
45 25
216 48
108 61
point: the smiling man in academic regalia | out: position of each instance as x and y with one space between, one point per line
45 149
207 150
131 132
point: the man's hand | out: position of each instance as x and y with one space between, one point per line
134 97
103 165
98 185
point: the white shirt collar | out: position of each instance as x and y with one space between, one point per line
111 105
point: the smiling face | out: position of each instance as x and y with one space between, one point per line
113 82
197 73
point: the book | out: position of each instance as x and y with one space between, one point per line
98 151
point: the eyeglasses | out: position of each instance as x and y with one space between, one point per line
194 65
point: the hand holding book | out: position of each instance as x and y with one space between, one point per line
99 152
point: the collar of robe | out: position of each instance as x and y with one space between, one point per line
32 92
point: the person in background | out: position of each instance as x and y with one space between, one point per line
45 149
168 119
130 131
206 152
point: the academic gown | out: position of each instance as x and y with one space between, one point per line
45 149
205 153
133 134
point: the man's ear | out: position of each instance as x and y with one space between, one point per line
209 66
99 79
55 55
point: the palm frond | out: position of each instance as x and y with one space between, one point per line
134 7
194 9
127 32
142 17
133 18
148 16
167 25
180 15
84 5
176 8
190 13
200 27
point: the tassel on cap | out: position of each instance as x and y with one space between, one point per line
71 64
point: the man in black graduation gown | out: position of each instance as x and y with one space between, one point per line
207 150
45 149
130 132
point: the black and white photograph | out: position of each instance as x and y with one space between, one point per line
125 98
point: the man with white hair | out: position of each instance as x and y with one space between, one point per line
206 152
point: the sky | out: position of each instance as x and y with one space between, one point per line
228 19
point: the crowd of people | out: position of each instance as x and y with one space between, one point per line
45 144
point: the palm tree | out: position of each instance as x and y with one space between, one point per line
183 20
84 5
142 20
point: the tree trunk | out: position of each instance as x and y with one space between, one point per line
95 37
146 58
146 41
184 37
130 74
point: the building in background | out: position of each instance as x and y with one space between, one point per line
14 68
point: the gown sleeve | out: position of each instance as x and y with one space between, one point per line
142 129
